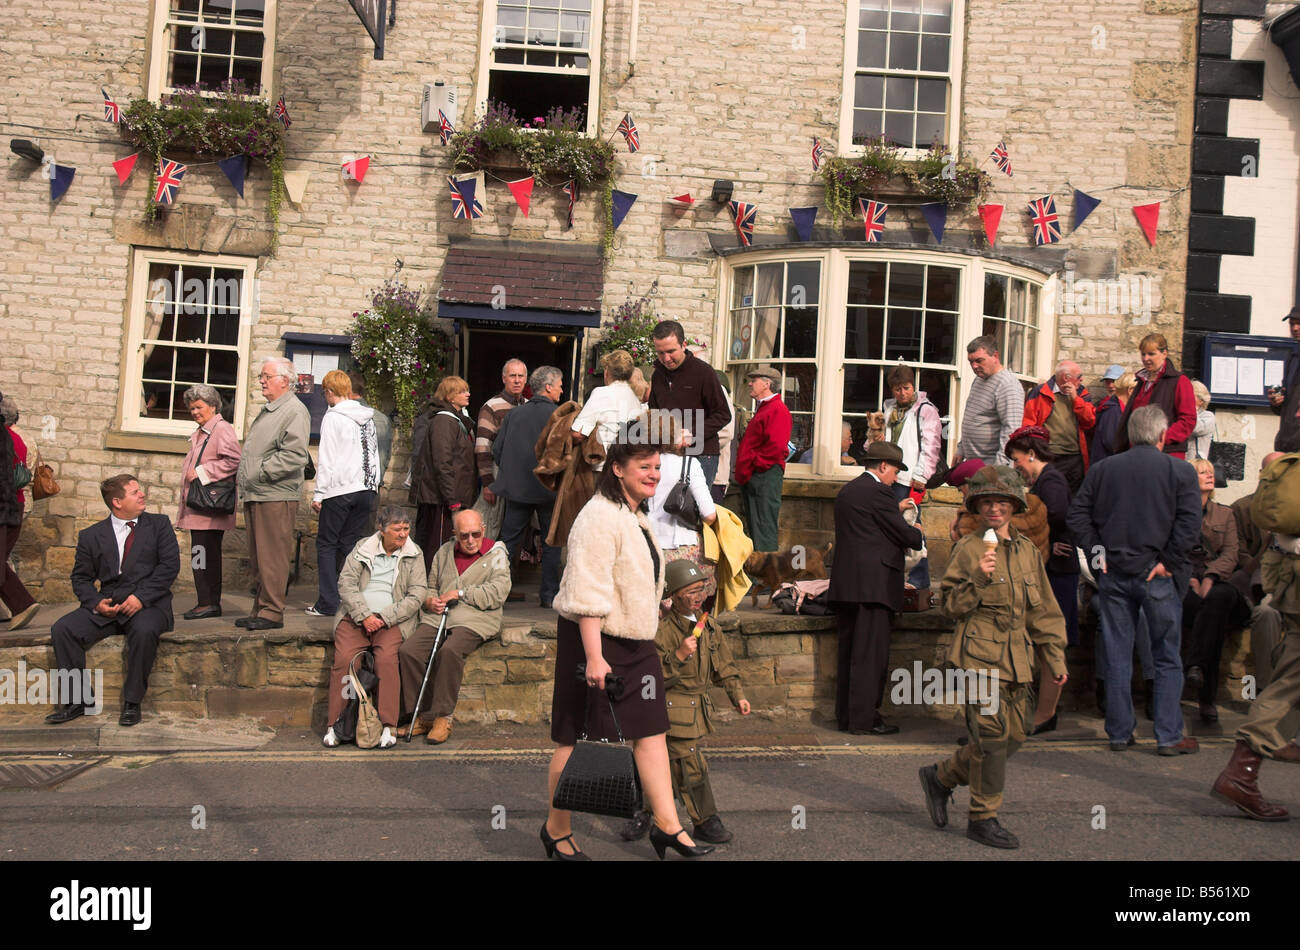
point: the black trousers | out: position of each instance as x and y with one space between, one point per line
1209 618
207 578
73 633
863 664
1071 466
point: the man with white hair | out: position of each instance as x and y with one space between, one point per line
270 485
1061 406
514 377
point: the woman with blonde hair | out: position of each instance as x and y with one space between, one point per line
609 405
1109 411
347 485
443 475
1212 606
1198 446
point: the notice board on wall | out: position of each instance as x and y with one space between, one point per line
1238 367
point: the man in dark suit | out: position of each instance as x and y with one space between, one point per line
134 557
867 586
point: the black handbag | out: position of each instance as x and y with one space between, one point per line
600 778
680 503
214 498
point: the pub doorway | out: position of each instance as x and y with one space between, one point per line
483 351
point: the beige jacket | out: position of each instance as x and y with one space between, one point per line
610 573
275 452
409 589
483 587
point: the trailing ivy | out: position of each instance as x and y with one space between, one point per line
938 174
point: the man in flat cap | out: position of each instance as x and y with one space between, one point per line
760 463
1285 399
867 586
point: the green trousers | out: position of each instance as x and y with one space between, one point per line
691 778
1275 713
762 497
982 762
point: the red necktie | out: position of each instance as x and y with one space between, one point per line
130 539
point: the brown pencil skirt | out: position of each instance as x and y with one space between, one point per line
641 708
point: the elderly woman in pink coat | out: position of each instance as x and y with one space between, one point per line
213 455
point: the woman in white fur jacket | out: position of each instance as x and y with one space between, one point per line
609 612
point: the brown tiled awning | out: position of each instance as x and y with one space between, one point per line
534 279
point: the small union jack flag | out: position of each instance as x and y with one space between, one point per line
1002 159
111 111
282 113
818 153
628 130
169 180
1047 226
463 199
445 129
571 189
873 218
744 213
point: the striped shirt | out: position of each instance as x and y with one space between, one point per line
994 410
489 423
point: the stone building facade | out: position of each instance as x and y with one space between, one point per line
1096 96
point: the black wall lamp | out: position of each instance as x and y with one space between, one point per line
27 149
722 189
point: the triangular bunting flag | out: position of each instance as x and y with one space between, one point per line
1047 224
523 192
235 167
1148 216
628 130
620 203
445 129
936 215
112 111
873 218
282 113
571 189
464 201
992 217
682 201
170 174
355 169
124 167
803 219
744 214
295 184
60 178
818 153
1084 205
1002 158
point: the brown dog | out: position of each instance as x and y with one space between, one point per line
875 427
774 568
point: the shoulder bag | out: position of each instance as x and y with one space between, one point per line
214 498
600 778
680 503
369 727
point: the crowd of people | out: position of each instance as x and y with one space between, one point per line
1062 497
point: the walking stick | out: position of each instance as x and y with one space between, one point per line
438 639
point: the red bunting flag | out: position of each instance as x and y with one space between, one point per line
1148 216
355 169
124 167
682 201
992 217
523 192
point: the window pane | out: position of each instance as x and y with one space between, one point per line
249 44
867 282
216 42
223 367
1031 309
937 16
742 287
867 125
1016 301
767 333
905 285
898 128
223 328
995 296
799 386
1013 354
869 92
803 280
932 95
940 341
904 49
900 94
543 27
874 14
937 386
904 338
862 389
871 49
934 54
905 15
800 332
929 130
540 58
213 72
941 288
864 333
509 55
769 280
184 69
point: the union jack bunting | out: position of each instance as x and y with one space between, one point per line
1047 226
571 189
744 213
818 153
445 128
112 113
873 218
170 174
1002 159
463 198
282 113
628 130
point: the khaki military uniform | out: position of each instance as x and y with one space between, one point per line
1001 623
1275 714
689 708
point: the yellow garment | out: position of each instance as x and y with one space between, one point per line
727 544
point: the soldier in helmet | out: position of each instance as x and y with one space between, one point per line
997 592
694 659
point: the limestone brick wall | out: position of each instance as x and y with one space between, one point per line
712 101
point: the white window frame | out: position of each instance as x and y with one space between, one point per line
487 45
956 51
132 396
832 320
158 49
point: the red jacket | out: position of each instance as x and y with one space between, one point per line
1039 406
766 442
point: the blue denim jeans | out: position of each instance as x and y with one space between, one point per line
513 523
344 520
1143 644
1119 599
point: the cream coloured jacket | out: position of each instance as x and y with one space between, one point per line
610 573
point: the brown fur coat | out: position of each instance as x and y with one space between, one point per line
1032 523
566 469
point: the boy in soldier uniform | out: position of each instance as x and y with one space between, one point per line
998 594
693 661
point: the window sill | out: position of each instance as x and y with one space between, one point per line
147 442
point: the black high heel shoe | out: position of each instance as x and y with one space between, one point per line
554 853
1047 725
662 841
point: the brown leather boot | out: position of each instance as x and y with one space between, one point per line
1237 785
1288 753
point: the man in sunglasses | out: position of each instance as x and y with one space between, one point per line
470 576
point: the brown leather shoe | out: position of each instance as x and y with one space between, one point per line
416 727
1288 753
1238 785
1184 746
439 731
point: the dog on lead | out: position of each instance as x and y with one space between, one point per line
774 568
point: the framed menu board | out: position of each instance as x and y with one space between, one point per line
1238 367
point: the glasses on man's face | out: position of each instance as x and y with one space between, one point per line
468 535
264 377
